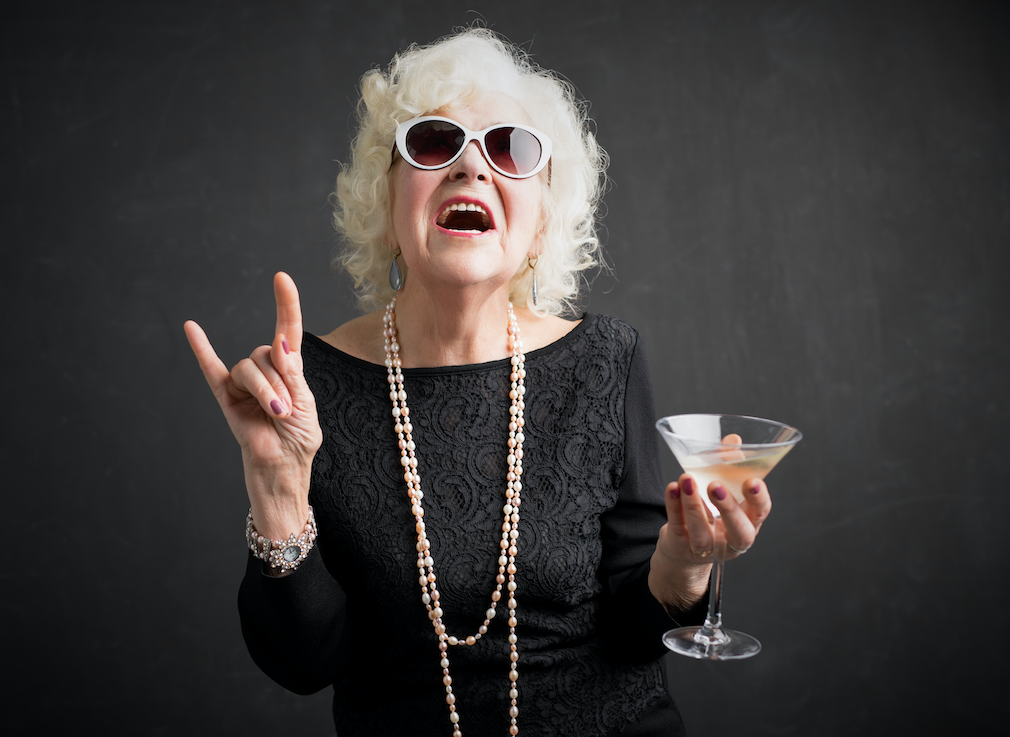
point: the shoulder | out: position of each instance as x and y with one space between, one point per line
361 338
611 334
543 331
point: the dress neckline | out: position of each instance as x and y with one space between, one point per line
461 369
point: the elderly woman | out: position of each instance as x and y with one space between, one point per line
455 500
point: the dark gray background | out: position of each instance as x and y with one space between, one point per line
808 220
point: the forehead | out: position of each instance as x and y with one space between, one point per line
487 110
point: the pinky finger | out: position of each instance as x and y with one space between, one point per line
674 512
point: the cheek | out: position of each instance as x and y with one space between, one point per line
528 211
407 208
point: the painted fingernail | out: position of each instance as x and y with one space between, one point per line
284 345
756 490
718 492
688 485
675 492
277 407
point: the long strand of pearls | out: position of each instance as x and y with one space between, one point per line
505 579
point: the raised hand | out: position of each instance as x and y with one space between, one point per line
691 536
272 414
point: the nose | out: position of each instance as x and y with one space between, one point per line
471 165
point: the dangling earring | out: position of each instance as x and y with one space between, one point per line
536 292
395 276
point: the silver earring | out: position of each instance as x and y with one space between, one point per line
536 292
395 276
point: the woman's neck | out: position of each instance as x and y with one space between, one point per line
453 330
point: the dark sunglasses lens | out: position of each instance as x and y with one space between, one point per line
513 150
434 142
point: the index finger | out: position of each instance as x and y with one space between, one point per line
289 310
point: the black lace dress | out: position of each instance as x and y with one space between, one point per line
589 630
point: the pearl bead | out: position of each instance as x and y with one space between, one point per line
510 532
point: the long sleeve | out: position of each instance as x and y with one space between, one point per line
292 624
631 529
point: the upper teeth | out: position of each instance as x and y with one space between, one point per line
463 206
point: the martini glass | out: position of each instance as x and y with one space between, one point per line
729 449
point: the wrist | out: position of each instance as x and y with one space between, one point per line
279 501
278 518
678 588
282 555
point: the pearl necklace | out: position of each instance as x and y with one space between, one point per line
430 595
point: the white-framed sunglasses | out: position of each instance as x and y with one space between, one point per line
434 142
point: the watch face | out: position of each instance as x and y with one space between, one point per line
291 553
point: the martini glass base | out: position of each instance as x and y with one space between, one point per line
725 645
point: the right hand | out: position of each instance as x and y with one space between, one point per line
272 413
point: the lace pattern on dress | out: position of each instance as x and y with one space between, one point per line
574 462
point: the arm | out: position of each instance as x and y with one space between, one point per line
295 619
630 531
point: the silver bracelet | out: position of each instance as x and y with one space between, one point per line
283 554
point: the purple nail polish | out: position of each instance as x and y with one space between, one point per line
718 492
756 490
284 345
688 485
276 406
675 492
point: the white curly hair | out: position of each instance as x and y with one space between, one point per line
460 69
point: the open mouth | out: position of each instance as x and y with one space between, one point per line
465 217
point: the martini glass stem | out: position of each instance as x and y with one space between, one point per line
711 632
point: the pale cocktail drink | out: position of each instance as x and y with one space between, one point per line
729 449
731 468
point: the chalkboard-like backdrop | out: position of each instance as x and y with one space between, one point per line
808 220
